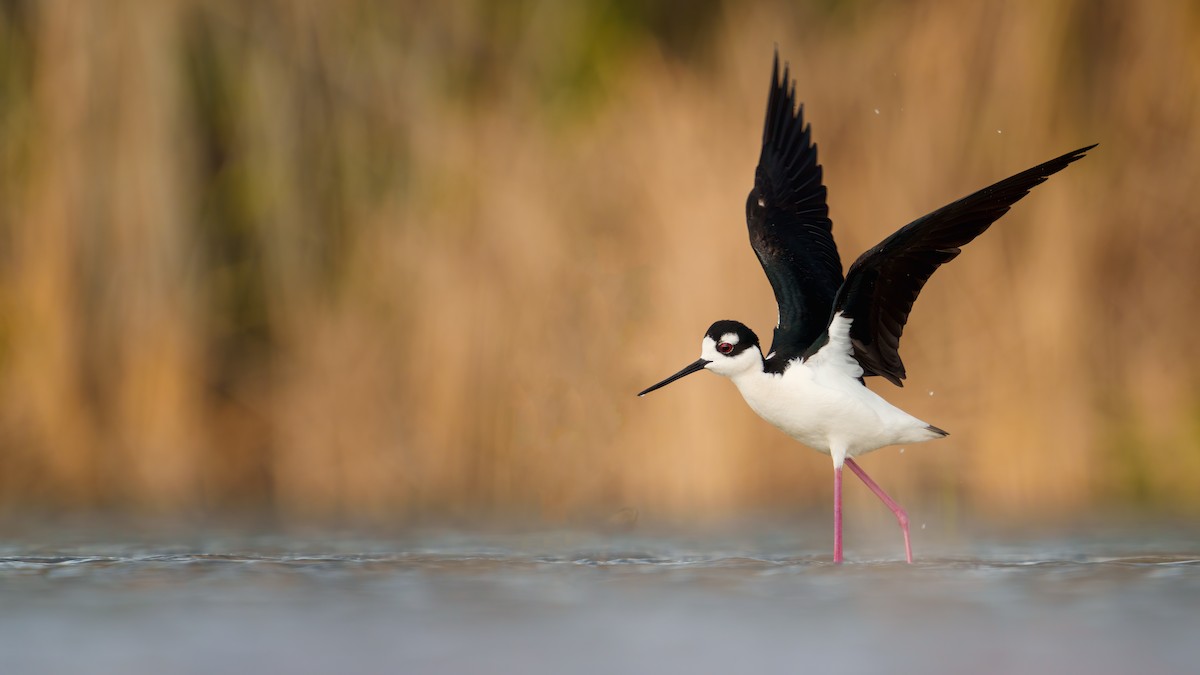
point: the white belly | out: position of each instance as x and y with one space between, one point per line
829 412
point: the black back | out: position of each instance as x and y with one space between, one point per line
789 225
883 283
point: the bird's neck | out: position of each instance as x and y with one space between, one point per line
754 378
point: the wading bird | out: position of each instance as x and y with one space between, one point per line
834 331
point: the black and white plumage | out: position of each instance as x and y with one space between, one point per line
834 331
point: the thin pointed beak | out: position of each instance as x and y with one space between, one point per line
698 365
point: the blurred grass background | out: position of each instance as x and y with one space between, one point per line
406 262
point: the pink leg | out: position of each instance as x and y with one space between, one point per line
901 516
837 514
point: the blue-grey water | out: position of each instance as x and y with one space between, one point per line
563 602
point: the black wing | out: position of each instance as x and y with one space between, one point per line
789 224
883 283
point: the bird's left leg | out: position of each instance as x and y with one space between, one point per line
837 514
901 515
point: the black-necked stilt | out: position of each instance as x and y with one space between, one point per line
833 332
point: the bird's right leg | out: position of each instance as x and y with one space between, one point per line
897 510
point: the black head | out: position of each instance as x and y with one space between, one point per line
728 348
731 337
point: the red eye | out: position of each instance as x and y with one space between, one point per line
725 347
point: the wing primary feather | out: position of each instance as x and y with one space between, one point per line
788 222
882 285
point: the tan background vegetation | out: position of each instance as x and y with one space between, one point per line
406 262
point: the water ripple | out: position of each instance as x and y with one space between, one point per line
565 603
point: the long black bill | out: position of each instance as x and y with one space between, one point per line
698 365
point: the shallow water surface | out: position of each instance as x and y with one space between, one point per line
561 602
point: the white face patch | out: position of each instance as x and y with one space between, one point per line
728 365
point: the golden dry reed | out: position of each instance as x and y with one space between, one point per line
409 262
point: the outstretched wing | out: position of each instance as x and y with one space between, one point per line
789 224
883 283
